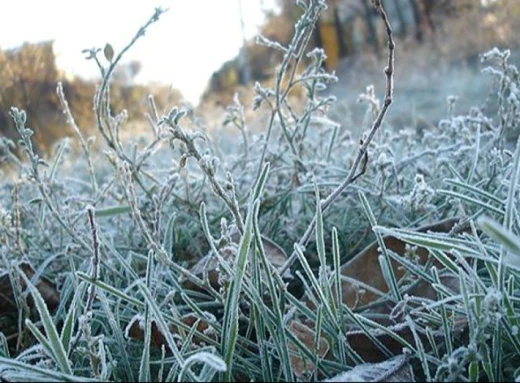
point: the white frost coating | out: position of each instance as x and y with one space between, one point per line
377 372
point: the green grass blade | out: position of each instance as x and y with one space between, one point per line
110 211
58 351
230 324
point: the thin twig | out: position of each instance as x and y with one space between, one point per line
361 158
94 259
102 100
231 202
102 94
75 128
295 51
94 274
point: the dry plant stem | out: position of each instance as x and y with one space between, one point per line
102 94
95 272
102 107
501 103
231 203
57 215
150 149
75 128
17 221
95 258
131 197
281 96
35 173
352 176
242 127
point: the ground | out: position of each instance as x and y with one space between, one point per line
420 90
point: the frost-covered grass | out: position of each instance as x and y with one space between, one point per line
119 232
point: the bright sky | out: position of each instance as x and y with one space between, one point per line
189 42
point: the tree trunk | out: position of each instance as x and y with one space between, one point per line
426 8
372 34
400 17
417 20
338 26
243 62
422 17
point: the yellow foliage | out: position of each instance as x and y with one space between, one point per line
330 45
231 77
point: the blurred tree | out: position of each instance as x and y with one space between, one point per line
29 76
423 23
369 12
429 14
289 10
330 35
261 60
338 26
400 16
126 73
243 62
28 79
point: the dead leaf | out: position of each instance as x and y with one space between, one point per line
300 364
397 369
365 267
46 288
274 253
9 309
135 330
209 264
369 351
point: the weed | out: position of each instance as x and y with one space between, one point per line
119 232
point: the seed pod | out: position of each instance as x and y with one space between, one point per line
108 52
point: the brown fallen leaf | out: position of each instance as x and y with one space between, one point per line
365 267
46 288
9 309
300 364
368 350
371 353
136 332
209 264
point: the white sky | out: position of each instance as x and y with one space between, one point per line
183 48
